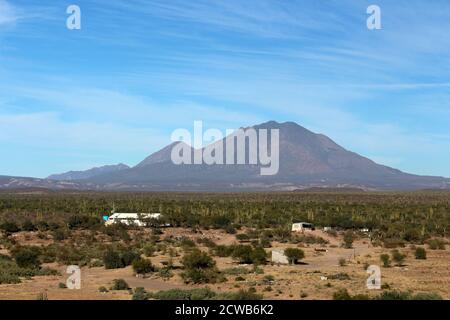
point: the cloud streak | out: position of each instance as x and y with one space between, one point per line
8 14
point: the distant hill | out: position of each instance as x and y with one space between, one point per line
87 174
307 161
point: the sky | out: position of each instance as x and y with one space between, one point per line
114 90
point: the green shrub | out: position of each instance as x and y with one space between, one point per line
180 294
265 242
436 244
221 222
140 294
406 295
236 271
247 254
427 296
148 250
243 295
197 260
393 243
142 266
42 226
165 273
294 255
342 262
342 294
119 284
223 251
394 295
112 260
28 226
128 257
59 235
207 242
9 227
115 260
42 296
349 237
230 230
385 286
242 237
69 254
258 256
27 257
83 222
420 253
199 268
339 276
210 275
398 257
8 278
242 253
187 243
386 260
102 289
268 280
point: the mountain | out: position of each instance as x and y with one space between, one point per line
307 161
158 157
87 174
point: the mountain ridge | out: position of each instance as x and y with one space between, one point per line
307 160
86 174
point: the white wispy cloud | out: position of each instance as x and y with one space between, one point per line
8 14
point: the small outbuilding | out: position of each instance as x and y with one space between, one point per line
138 219
278 256
302 227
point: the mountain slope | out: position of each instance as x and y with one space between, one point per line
306 160
81 175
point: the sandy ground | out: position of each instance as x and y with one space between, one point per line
302 281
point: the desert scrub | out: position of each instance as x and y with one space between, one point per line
140 294
180 294
420 253
386 260
294 255
398 257
199 267
236 271
120 284
339 276
436 244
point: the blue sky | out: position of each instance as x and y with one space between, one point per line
137 70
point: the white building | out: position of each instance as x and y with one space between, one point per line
278 256
138 219
302 226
